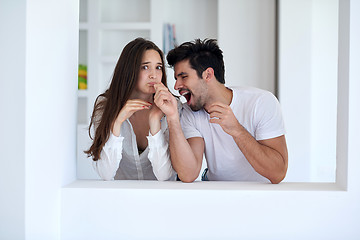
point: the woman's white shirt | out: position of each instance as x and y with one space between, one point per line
120 158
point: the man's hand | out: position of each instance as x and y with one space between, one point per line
165 101
223 115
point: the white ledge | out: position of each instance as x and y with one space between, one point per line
210 185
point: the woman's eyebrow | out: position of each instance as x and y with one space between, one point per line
150 62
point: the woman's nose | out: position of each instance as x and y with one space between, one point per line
152 75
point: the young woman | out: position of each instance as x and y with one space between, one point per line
131 137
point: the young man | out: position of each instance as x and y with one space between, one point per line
240 130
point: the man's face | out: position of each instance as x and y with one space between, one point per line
189 85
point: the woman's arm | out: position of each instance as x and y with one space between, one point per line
158 141
110 158
111 153
159 156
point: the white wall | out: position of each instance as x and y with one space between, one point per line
50 131
308 58
12 119
323 89
247 38
294 84
192 19
219 210
38 114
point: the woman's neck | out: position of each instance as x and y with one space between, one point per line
142 96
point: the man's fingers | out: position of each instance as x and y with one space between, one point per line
219 108
162 95
215 115
219 104
215 109
215 120
160 86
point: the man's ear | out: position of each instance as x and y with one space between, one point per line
208 74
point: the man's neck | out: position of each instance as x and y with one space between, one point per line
219 94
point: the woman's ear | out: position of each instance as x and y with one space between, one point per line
208 74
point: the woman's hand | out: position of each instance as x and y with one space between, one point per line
131 106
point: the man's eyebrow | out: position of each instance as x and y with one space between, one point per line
181 74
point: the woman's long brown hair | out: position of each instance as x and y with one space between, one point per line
108 104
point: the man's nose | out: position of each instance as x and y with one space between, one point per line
177 85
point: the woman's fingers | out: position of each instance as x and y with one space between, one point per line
138 102
132 106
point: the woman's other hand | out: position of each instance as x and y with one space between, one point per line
131 106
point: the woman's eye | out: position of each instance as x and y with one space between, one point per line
159 67
145 67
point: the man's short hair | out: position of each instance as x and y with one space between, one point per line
201 54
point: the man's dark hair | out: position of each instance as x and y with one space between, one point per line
201 55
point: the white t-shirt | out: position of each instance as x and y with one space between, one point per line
258 111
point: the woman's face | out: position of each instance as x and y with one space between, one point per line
150 72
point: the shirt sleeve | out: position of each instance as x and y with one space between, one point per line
270 120
110 158
159 155
188 123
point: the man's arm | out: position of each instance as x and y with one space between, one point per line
186 156
268 157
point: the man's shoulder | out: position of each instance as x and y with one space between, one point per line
252 94
250 91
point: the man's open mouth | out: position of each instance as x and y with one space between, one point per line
187 95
